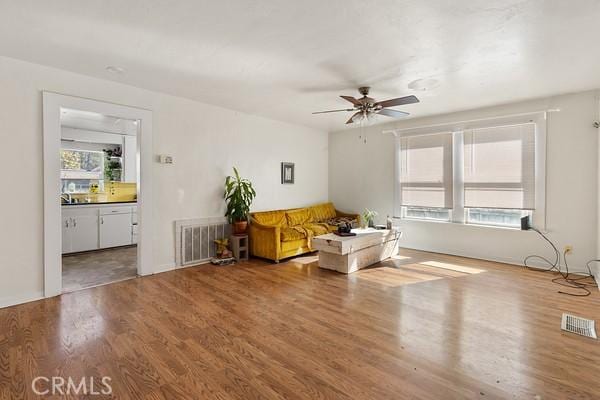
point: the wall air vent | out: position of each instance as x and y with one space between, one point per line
194 239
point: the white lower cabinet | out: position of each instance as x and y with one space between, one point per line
79 230
115 230
91 227
66 234
85 233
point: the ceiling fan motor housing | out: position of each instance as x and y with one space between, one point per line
364 90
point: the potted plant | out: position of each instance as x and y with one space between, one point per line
239 194
368 218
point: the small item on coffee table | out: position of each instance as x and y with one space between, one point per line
380 227
345 229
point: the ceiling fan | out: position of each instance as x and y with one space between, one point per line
367 106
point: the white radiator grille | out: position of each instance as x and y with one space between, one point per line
194 239
578 325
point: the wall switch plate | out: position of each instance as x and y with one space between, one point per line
165 159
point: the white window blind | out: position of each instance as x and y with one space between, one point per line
500 167
426 171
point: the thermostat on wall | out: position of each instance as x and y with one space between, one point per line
164 159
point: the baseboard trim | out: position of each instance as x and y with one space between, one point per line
16 300
174 267
159 269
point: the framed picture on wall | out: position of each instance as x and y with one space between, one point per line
287 173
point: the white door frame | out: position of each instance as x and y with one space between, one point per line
52 105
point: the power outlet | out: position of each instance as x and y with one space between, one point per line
568 249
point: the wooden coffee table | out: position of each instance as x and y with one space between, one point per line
348 254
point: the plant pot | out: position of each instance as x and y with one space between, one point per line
240 227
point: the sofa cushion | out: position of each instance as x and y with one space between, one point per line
293 233
322 212
298 217
271 218
317 229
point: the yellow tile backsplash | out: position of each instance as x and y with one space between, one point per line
121 191
113 192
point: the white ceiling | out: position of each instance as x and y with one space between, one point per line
92 121
285 59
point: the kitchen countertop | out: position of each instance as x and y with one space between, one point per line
99 203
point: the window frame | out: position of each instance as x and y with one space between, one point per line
407 217
458 214
82 175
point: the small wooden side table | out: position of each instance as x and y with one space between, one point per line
239 247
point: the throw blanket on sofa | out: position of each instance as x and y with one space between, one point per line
338 220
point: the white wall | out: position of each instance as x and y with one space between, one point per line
361 175
205 141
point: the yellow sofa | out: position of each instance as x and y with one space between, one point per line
279 234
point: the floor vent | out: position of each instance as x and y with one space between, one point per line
578 325
194 239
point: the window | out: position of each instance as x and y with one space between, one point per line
495 217
483 175
81 168
430 213
499 167
426 183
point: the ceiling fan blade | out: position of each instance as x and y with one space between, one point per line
392 113
351 100
354 117
398 102
325 112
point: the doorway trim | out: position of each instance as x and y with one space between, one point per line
52 105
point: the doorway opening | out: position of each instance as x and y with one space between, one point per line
98 184
97 194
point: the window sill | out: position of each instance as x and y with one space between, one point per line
495 227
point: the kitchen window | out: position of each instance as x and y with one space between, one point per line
80 169
479 174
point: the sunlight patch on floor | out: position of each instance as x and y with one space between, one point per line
453 267
394 277
305 260
406 274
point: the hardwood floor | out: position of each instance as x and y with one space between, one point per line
425 326
93 268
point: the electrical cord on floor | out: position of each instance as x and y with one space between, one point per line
573 283
553 265
564 279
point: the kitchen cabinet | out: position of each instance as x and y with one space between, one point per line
79 230
66 234
89 227
115 229
85 233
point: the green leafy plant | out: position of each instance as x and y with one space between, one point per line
369 216
239 194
